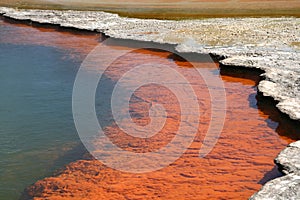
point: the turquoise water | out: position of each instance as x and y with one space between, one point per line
36 125
38 68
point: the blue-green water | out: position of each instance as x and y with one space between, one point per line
38 68
36 125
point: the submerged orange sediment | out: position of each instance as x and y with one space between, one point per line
80 44
241 161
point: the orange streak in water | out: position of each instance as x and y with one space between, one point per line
240 162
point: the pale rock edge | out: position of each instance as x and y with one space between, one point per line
288 186
270 44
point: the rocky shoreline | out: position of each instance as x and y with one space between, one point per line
270 44
288 186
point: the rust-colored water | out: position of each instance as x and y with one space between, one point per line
240 163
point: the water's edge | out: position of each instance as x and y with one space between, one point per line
217 56
249 42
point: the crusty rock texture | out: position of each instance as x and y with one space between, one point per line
286 187
289 159
271 44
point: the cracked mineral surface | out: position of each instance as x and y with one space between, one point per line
271 44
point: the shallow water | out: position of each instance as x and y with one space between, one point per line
33 94
38 68
37 130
